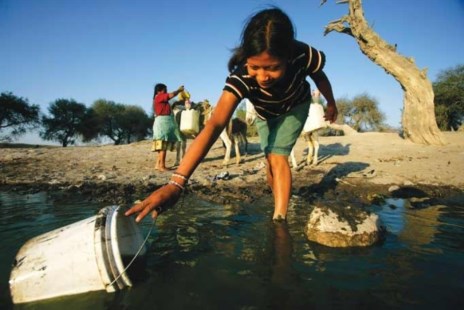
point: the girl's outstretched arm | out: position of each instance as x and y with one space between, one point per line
166 196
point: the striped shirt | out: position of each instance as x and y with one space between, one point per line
291 90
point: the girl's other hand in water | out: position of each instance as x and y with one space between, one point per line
158 202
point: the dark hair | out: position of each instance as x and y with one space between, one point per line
269 30
159 87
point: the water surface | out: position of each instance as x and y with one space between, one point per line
208 256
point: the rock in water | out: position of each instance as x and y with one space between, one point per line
331 229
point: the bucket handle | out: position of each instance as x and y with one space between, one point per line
135 255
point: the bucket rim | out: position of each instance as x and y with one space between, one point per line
118 278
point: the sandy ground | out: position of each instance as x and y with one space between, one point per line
375 161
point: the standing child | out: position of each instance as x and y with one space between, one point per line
165 131
269 67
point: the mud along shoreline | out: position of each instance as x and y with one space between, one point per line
360 168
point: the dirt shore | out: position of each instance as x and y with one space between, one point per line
362 167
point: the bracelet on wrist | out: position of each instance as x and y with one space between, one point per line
180 176
182 188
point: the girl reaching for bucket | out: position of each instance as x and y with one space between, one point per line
269 67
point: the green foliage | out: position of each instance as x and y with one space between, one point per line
121 123
449 98
90 126
66 123
361 113
17 116
134 123
366 114
108 114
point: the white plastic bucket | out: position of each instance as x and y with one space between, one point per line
315 118
88 255
190 122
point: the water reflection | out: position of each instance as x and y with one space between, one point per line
282 258
204 255
415 228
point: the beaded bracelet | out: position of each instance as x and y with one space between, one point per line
180 176
177 185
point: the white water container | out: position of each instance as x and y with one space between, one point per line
190 122
88 255
315 118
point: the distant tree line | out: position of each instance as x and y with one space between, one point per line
68 121
361 113
17 116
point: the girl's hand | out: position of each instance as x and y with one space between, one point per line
331 113
159 201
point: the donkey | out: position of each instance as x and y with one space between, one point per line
177 108
233 134
309 132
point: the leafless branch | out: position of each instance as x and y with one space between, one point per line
337 2
339 26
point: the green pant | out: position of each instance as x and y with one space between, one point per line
278 135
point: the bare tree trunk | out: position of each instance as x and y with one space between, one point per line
419 123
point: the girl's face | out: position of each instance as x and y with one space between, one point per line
266 69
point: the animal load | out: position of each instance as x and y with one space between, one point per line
315 118
190 122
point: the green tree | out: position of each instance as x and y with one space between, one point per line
66 123
17 116
345 110
358 114
134 123
449 98
121 123
365 114
108 114
90 127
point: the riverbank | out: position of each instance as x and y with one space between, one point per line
362 166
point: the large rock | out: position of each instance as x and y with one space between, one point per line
335 230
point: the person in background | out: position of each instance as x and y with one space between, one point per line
269 67
165 130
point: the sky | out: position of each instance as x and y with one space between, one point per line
118 50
